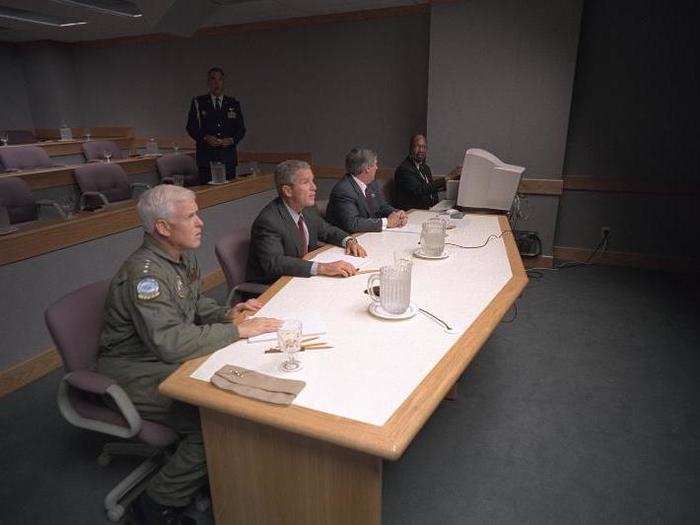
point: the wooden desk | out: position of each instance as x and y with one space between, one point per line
271 464
38 237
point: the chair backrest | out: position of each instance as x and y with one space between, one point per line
95 149
386 186
20 136
179 164
232 252
108 178
75 323
24 157
16 196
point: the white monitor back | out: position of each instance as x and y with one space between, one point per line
487 182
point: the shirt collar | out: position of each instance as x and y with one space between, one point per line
150 243
362 185
295 216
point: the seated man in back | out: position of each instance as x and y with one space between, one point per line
356 203
289 227
156 318
414 185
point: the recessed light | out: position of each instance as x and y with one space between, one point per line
32 17
110 7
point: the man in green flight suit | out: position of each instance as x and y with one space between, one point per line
156 318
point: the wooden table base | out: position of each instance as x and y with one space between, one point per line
259 474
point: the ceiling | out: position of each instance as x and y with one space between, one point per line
178 17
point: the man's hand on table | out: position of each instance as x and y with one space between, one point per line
352 247
336 269
243 310
253 326
397 219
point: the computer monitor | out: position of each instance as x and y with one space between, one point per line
486 182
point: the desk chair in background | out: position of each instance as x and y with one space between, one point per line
94 150
178 164
103 183
232 252
15 158
21 206
75 324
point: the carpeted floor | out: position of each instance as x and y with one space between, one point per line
586 408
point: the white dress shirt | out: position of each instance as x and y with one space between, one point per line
363 189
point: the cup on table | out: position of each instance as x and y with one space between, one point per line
289 342
394 287
432 238
179 180
218 172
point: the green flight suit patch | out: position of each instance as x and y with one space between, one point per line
147 289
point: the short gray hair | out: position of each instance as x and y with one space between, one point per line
285 172
358 160
159 203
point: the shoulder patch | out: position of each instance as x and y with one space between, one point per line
147 289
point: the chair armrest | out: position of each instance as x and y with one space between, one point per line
249 288
83 198
96 384
168 180
52 204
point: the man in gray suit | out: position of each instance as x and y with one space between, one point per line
356 203
289 227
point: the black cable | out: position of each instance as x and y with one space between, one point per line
492 236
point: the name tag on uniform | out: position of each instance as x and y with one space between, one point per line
232 113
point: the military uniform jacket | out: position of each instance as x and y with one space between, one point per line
415 189
275 244
203 119
155 319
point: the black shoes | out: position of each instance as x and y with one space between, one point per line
149 512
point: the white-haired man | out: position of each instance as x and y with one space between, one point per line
157 318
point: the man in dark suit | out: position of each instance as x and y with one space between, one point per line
215 122
414 186
289 227
356 203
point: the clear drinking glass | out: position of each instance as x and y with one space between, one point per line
4 137
87 134
107 154
179 180
289 342
432 239
218 172
176 148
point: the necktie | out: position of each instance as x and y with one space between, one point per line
302 236
218 104
371 201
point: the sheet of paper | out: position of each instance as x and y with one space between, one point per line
409 228
337 255
311 324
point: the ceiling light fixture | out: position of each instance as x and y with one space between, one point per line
32 17
110 7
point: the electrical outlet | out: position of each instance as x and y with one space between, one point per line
605 231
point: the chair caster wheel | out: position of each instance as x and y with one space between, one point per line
104 459
115 513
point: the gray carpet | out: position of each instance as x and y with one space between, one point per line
584 409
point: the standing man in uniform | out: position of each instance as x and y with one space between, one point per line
156 318
414 186
215 122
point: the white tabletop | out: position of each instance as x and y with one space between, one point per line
376 364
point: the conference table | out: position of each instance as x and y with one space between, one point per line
319 460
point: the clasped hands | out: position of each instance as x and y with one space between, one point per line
251 326
397 219
216 142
